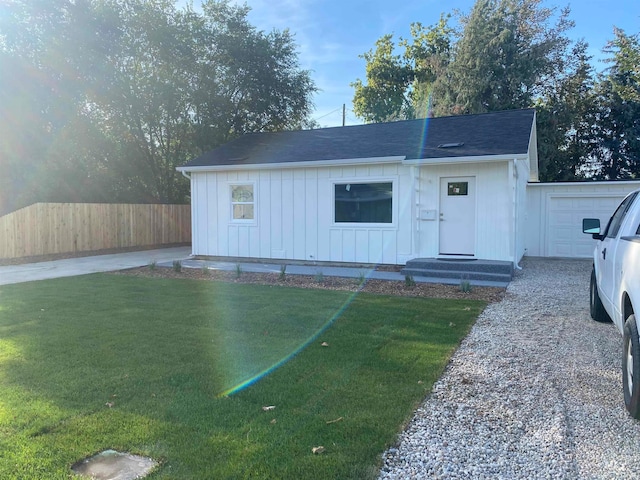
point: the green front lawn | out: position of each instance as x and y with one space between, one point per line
142 365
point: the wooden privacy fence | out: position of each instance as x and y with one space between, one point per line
49 228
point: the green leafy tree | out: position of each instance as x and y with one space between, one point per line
46 52
143 103
399 86
504 54
502 57
184 83
616 149
384 97
429 53
264 88
626 64
566 117
507 53
104 98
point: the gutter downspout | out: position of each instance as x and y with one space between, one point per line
515 214
188 177
415 181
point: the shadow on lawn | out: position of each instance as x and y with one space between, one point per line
104 337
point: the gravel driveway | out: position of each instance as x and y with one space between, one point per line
534 391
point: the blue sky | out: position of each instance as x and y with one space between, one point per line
331 34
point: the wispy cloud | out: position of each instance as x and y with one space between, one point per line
295 15
280 14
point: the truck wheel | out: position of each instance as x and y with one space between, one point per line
631 367
598 313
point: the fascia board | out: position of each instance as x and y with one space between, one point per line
585 182
313 163
456 160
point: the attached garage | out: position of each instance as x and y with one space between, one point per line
461 187
555 213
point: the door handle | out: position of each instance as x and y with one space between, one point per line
604 253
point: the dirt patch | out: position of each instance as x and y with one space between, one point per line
385 287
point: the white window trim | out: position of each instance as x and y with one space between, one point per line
394 202
243 221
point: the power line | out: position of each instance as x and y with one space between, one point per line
345 114
327 114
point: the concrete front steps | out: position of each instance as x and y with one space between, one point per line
475 271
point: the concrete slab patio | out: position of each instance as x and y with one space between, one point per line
112 465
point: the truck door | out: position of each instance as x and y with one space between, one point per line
606 252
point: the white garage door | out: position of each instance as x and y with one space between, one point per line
564 221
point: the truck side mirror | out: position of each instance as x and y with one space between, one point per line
592 226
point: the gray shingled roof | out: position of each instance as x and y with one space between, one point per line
497 133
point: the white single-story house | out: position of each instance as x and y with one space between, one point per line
448 187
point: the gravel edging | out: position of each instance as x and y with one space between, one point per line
534 391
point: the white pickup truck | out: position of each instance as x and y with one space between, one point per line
615 287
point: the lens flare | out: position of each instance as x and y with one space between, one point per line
405 204
427 114
250 381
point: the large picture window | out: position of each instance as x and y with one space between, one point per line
242 202
364 202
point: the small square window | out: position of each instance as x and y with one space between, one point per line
457 188
242 202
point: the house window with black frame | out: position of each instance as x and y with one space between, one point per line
242 202
364 202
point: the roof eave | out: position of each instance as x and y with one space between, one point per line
469 159
311 163
356 161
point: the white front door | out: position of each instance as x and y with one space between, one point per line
458 216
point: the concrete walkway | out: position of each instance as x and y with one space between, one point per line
165 257
70 267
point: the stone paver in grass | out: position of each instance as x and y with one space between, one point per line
112 465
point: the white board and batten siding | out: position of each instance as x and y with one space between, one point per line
496 209
294 215
555 212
